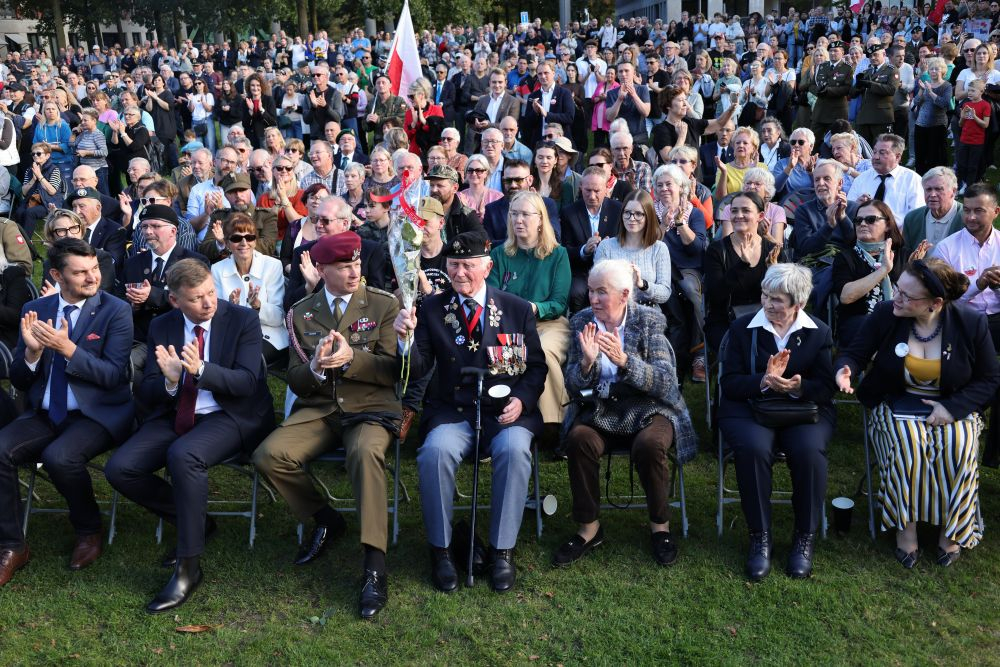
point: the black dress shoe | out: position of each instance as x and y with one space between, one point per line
947 558
502 574
460 550
374 594
576 548
664 548
759 556
187 576
170 560
800 560
907 559
321 536
443 573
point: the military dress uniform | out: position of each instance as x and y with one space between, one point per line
877 88
832 85
357 402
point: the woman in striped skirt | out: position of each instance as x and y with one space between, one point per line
934 368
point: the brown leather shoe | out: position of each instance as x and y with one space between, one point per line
11 561
404 429
88 548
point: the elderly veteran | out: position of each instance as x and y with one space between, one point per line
620 353
343 371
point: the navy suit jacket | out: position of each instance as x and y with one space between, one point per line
357 156
495 218
447 99
139 268
234 371
110 236
706 158
451 399
97 371
374 260
576 229
561 110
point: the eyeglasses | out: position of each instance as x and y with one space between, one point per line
236 238
549 137
797 142
868 219
633 215
492 141
448 139
329 221
520 215
282 169
902 296
318 74
149 201
255 169
63 232
510 180
680 160
156 227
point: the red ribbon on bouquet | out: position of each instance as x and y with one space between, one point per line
405 181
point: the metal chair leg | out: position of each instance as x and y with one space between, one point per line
683 500
114 518
537 494
253 508
31 496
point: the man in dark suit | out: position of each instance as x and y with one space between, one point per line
144 276
720 148
585 223
206 383
516 177
334 218
86 177
347 143
549 104
443 93
343 372
471 324
100 232
70 361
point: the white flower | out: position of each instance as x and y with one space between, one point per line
902 350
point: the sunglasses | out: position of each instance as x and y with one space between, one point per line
514 179
38 154
282 169
236 238
149 201
868 219
478 170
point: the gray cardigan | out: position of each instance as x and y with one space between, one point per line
933 112
648 382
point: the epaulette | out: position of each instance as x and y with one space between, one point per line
302 300
376 290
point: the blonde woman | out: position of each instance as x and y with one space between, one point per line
476 195
729 176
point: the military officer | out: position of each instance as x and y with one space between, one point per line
832 85
877 88
342 370
471 324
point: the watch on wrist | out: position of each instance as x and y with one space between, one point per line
201 369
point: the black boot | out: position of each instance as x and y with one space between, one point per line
759 555
170 560
503 572
187 576
800 561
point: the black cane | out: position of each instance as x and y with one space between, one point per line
478 373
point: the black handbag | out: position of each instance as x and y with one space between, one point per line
779 411
909 406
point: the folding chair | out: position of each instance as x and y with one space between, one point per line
633 501
36 471
339 456
726 495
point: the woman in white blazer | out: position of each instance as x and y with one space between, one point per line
252 279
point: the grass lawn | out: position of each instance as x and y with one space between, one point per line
614 607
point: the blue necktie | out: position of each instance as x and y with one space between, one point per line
58 390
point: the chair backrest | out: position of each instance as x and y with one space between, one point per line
6 360
32 288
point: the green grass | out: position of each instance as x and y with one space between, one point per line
614 607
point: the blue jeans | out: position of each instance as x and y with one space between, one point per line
437 462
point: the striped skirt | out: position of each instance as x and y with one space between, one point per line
928 473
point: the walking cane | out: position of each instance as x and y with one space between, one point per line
478 374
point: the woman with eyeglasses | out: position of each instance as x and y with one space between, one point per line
201 103
62 223
229 108
43 185
284 195
729 175
864 275
735 264
696 104
254 280
476 194
761 182
639 242
382 171
302 230
532 265
295 149
931 105
686 158
129 139
753 96
929 368
773 142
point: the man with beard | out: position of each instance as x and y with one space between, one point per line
240 198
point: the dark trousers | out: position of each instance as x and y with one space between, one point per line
64 450
901 122
754 448
870 132
991 452
931 144
184 500
969 159
649 447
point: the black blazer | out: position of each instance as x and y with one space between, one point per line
374 267
811 358
706 158
495 219
256 123
109 280
447 99
970 374
234 371
110 236
139 268
576 229
561 110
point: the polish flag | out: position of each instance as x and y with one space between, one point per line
404 59
857 6
937 13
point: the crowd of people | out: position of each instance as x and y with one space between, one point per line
607 209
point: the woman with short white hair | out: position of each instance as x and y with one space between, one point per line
761 181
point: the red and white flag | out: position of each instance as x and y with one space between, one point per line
857 6
403 67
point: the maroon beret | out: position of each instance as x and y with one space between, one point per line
343 247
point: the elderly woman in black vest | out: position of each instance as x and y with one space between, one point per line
777 391
620 354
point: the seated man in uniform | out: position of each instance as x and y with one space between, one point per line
343 372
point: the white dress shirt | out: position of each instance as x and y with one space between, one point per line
608 369
802 321
71 403
205 403
962 251
493 108
903 190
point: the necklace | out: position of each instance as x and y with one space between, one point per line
922 339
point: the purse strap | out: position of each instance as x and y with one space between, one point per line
753 351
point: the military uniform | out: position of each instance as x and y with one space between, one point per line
14 245
877 89
832 85
359 402
264 219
